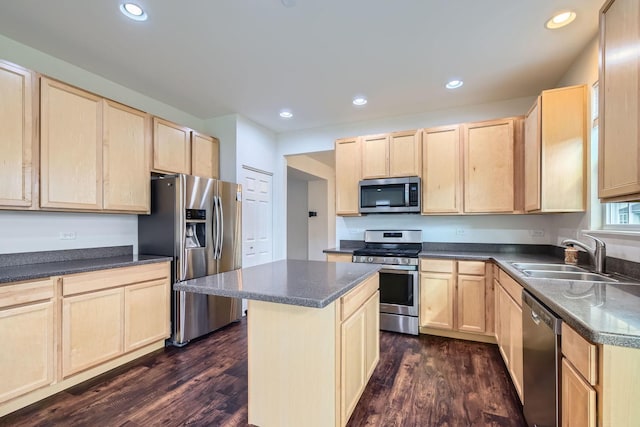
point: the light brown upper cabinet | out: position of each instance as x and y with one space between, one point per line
555 151
204 155
94 152
619 85
18 141
391 155
375 156
171 147
489 166
441 170
126 158
71 147
348 175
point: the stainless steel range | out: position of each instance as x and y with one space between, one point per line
398 251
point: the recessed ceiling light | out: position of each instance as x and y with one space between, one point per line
560 20
286 114
454 84
359 100
133 11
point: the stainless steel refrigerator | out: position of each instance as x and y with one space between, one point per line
196 221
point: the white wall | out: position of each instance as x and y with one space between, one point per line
37 231
224 128
318 225
297 206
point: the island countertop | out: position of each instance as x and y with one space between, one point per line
295 282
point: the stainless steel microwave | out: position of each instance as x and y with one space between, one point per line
389 195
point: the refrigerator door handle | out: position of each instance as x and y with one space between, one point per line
216 227
182 232
221 231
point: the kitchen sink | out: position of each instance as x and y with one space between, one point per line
546 267
568 275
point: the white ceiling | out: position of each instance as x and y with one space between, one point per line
254 57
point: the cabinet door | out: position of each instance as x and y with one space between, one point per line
404 153
171 147
441 170
146 313
504 328
471 303
204 156
17 149
353 371
375 156
26 363
488 166
515 361
578 399
126 146
564 136
532 149
619 84
92 329
71 147
348 175
372 338
436 300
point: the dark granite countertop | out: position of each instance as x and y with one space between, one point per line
339 250
36 265
602 312
304 283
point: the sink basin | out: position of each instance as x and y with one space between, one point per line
568 275
546 267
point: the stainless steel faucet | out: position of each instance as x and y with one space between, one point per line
597 255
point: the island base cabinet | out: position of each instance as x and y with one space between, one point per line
28 363
309 366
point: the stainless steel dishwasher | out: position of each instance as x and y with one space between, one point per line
541 362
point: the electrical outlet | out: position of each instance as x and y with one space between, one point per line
67 235
460 231
536 233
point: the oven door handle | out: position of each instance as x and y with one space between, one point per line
399 269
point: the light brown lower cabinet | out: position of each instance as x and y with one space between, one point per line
27 334
508 327
453 296
66 330
578 398
331 257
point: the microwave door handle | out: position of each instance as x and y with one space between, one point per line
406 194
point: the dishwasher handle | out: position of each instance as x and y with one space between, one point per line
540 313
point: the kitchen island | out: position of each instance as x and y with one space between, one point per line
313 337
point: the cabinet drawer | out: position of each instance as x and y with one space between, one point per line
512 287
581 353
111 278
25 292
339 257
474 268
356 297
437 265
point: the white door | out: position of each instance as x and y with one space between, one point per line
257 218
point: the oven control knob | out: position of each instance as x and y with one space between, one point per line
370 259
404 261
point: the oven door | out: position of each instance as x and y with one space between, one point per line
399 290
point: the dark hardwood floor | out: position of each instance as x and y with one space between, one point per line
420 381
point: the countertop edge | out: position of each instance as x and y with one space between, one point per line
61 270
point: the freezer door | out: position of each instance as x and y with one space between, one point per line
197 198
229 252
